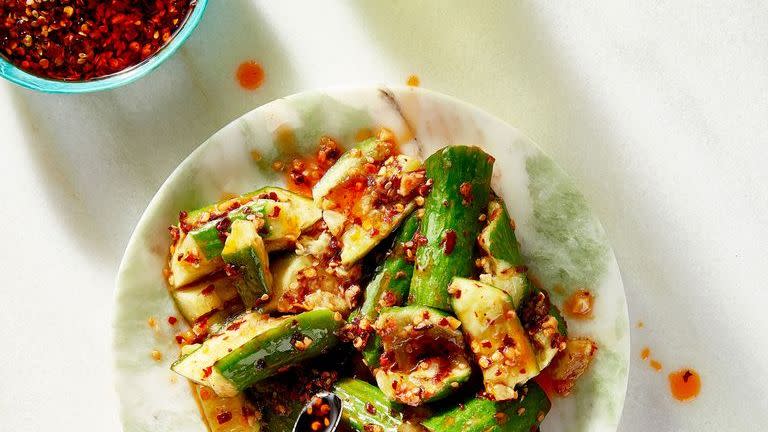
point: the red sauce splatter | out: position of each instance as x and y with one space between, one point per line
645 353
656 365
580 304
413 81
685 384
250 75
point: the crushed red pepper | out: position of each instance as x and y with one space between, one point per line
79 40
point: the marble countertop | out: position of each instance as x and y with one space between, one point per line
657 111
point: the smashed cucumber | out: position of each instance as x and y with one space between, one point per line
482 415
461 178
251 347
366 407
496 336
424 357
245 254
389 285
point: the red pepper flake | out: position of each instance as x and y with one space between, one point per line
192 259
231 270
224 224
224 417
207 371
179 339
449 242
183 223
235 325
466 193
208 290
172 320
370 408
175 234
275 211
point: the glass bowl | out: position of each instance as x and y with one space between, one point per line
130 74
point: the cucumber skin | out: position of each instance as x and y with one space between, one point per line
503 245
254 283
264 355
478 415
207 236
502 239
356 395
385 280
449 168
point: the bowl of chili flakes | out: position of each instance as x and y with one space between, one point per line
80 46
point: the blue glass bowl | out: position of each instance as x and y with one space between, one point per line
125 76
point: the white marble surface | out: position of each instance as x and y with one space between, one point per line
659 112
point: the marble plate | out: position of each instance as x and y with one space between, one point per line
565 244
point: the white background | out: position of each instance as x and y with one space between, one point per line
659 112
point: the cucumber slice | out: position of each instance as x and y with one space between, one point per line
283 215
366 408
350 162
295 339
201 298
390 285
188 263
201 216
505 269
252 347
358 240
299 286
504 266
367 194
244 252
227 414
545 327
497 338
482 415
461 178
424 354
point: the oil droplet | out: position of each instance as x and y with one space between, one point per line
656 365
685 384
645 353
363 134
413 81
250 75
579 304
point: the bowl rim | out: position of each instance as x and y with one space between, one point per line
16 75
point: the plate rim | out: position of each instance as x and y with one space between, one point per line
331 91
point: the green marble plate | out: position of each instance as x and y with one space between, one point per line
565 244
